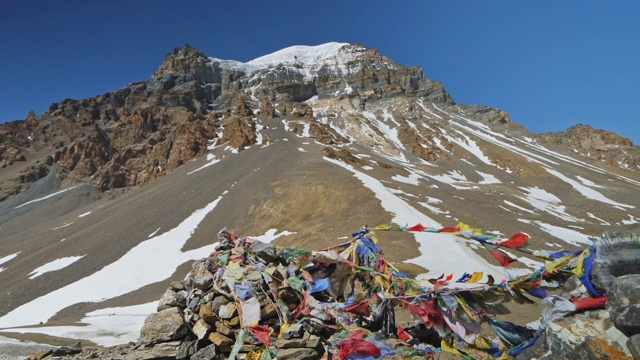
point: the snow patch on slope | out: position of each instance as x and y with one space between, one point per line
132 271
432 246
54 265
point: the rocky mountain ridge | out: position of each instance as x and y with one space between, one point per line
134 135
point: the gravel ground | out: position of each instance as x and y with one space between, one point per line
11 349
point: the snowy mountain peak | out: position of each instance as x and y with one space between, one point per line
299 54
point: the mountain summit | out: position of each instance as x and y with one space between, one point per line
104 199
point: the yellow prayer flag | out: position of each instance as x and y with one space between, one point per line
579 269
505 356
482 343
382 227
463 227
476 277
550 267
444 345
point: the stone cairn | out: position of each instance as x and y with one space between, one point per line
247 300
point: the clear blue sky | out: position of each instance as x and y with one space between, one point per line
551 64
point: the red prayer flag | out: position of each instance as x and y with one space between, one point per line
517 241
354 346
418 228
261 333
428 311
449 230
403 335
591 303
503 258
359 308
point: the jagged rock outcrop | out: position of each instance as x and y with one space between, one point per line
598 144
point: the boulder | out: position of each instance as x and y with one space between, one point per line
634 346
165 325
68 350
186 349
589 335
624 303
206 353
170 299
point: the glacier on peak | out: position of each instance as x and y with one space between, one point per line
301 56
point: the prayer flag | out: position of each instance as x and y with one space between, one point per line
516 241
477 276
503 258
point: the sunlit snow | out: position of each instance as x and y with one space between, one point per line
546 202
7 259
46 197
412 179
271 235
54 265
587 191
567 235
132 271
439 253
105 327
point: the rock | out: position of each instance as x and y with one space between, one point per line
201 277
170 299
298 354
634 346
223 329
300 342
177 286
206 353
161 351
40 355
234 322
227 311
201 329
264 251
207 314
268 311
217 302
194 304
220 340
589 335
68 350
162 326
186 349
313 342
624 304
295 331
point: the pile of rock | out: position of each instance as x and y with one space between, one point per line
250 300
212 312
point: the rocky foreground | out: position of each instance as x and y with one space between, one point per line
253 300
